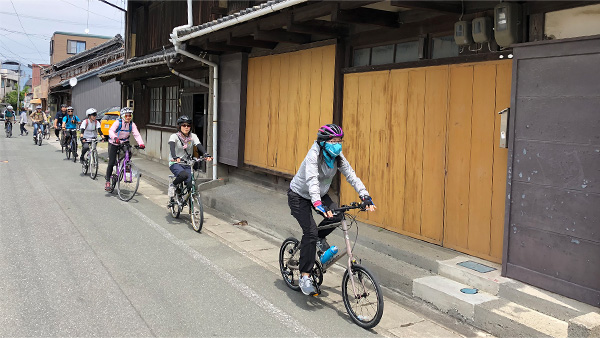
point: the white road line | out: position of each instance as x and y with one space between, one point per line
245 290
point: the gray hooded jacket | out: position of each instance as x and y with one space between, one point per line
313 179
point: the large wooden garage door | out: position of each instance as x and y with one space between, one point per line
425 142
289 96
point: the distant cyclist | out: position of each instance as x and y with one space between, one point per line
58 120
181 145
90 128
9 116
308 190
69 124
118 133
23 122
38 117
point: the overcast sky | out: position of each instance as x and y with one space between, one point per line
26 26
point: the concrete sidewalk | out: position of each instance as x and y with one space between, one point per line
413 273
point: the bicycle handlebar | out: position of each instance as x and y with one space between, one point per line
352 206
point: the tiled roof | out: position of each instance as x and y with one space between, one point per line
116 40
153 59
230 17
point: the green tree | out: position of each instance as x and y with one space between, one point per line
11 98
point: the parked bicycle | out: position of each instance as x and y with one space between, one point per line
180 196
126 175
90 162
8 129
71 146
360 291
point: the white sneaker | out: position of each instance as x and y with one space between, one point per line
171 191
306 285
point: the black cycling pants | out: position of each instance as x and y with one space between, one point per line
85 146
301 209
112 158
57 132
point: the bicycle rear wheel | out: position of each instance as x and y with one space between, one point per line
74 149
94 164
196 211
128 182
289 260
365 307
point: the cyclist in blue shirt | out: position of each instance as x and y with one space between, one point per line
69 124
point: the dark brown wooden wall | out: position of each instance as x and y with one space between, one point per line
553 223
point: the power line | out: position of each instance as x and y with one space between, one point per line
56 20
104 16
37 36
15 9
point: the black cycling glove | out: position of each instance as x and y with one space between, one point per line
366 201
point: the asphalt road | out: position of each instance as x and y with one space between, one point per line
76 261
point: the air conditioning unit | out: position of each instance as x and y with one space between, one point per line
130 104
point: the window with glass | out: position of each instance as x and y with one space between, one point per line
444 47
172 106
156 105
75 47
386 54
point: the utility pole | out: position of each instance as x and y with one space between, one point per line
19 88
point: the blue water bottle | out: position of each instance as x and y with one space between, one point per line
328 255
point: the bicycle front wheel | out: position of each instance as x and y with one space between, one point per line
289 261
74 149
364 301
40 138
94 164
85 167
128 182
196 211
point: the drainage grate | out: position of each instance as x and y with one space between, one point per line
476 266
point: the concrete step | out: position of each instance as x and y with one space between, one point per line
503 318
544 301
445 294
488 281
497 316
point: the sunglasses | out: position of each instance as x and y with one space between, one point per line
70 110
185 126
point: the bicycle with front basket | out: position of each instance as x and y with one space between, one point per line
126 175
90 162
181 196
360 290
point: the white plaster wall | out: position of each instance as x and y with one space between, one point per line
574 22
153 139
165 145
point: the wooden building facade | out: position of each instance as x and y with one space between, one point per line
420 114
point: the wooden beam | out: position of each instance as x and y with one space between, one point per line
318 27
438 6
248 41
416 15
366 16
279 35
221 47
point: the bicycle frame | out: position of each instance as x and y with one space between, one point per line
121 165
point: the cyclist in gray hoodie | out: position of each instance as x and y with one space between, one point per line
308 190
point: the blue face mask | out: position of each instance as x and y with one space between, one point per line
330 152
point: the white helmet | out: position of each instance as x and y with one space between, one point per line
125 111
90 111
39 106
9 108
